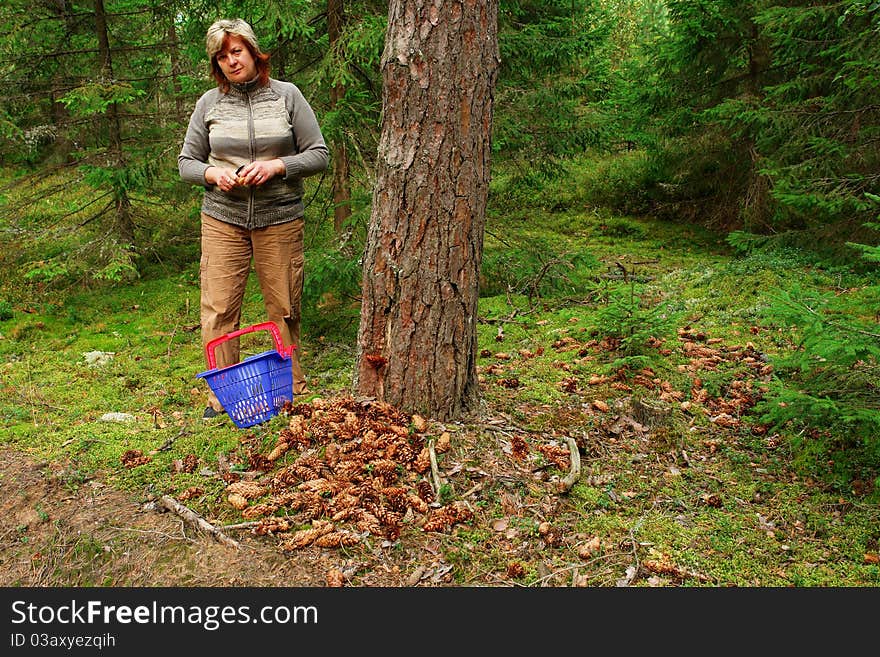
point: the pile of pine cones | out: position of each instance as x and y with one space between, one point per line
351 469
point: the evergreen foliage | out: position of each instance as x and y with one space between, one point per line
553 65
631 317
826 387
765 114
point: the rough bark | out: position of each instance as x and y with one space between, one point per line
124 224
174 55
417 334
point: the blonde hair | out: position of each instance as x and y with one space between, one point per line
219 30
215 39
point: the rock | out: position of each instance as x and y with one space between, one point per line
118 417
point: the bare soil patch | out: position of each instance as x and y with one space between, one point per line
55 533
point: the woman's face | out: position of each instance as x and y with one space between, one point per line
236 61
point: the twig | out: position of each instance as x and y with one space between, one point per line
473 489
241 525
168 443
633 571
503 320
505 429
435 470
575 472
543 580
197 521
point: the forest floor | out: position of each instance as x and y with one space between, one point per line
54 535
510 519
573 471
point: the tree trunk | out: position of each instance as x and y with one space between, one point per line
417 336
174 53
123 220
341 188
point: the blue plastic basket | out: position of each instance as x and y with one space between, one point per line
253 390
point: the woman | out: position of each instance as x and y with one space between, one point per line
250 142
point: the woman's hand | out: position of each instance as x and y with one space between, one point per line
222 177
260 172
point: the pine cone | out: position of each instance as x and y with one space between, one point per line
238 501
259 510
461 511
190 493
400 452
279 451
309 462
342 503
309 502
304 537
190 463
519 447
425 491
318 486
419 423
556 454
272 525
285 478
351 470
387 517
442 519
442 444
367 522
423 461
132 458
259 463
439 520
335 578
396 498
247 489
417 503
344 514
337 539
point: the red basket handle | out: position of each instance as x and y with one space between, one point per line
265 326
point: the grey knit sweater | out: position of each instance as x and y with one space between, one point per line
248 123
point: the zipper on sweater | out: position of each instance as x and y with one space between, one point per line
252 148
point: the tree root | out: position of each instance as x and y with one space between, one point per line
574 473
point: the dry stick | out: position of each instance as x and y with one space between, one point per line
197 521
168 443
241 525
470 491
575 472
435 471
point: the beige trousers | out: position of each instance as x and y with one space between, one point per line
277 254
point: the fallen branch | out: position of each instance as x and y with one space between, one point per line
435 470
242 525
197 521
574 472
